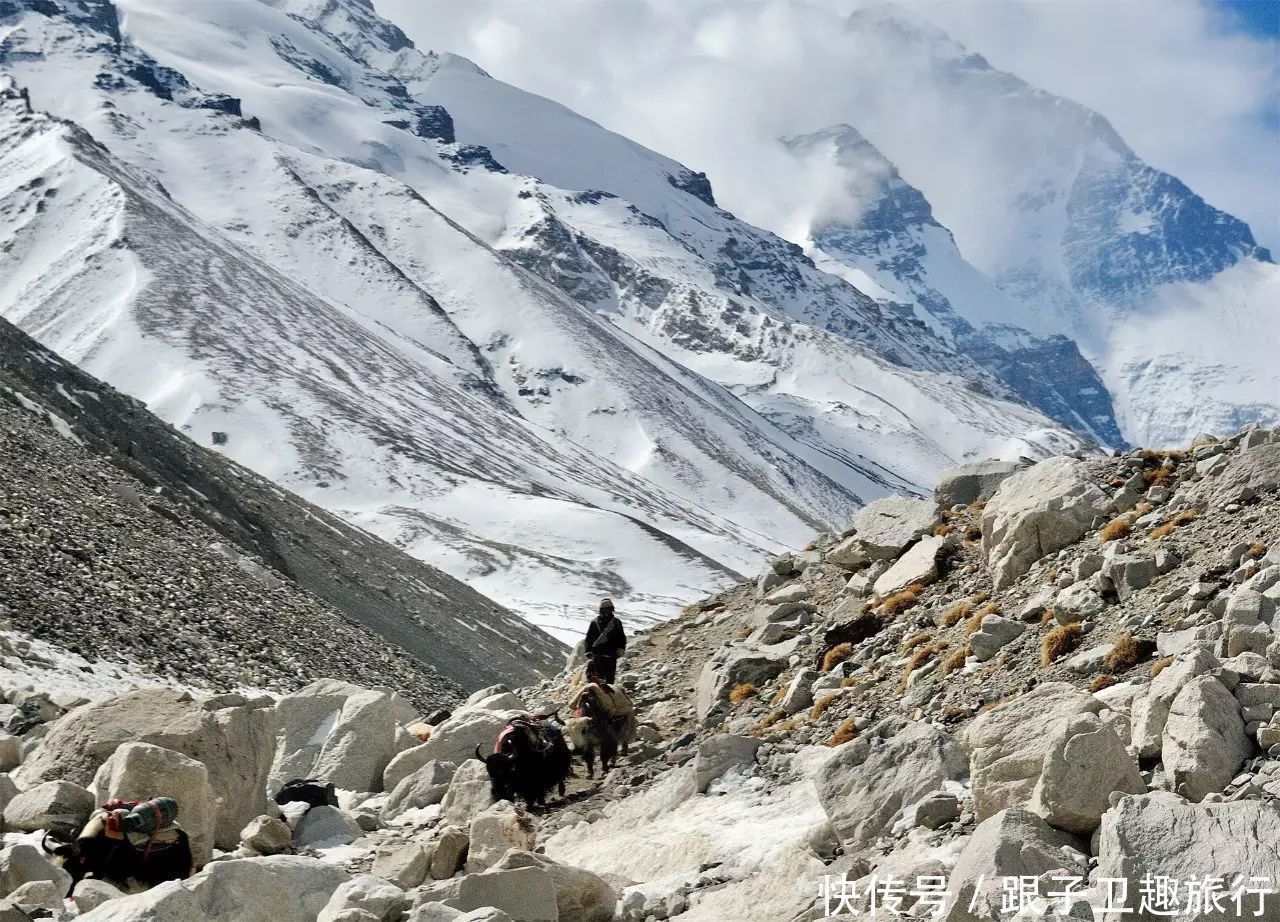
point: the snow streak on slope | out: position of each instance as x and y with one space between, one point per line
288 230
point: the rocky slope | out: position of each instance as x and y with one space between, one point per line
1064 674
105 505
521 347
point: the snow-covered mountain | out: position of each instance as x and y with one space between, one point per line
521 347
896 249
1170 299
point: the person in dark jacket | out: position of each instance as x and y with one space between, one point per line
605 643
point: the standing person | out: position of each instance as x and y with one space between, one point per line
605 643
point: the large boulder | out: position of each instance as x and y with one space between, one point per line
470 791
282 888
425 787
1246 474
267 835
340 733
235 744
366 898
23 863
1150 709
1008 845
1204 739
405 864
139 771
917 565
326 826
526 894
1160 835
1008 744
1036 512
1085 763
581 895
501 827
719 676
972 483
867 784
455 740
718 754
885 527
57 805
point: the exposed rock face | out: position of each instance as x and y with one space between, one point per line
340 733
869 782
1161 835
1008 744
1085 763
1009 844
233 744
1204 739
138 771
721 753
282 888
1035 512
1151 707
919 565
888 525
972 483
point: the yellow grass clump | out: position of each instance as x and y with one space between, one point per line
836 655
902 600
741 692
1059 642
1105 680
951 617
1159 666
1116 528
1127 652
1180 519
844 733
954 661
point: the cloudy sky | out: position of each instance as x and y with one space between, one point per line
1192 86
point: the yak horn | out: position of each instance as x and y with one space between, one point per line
478 756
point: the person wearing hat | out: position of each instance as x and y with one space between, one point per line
605 643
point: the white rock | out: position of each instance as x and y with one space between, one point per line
918 565
500 827
326 826
888 525
1151 710
1085 763
382 901
1204 740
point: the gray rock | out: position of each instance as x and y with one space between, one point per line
1036 512
1161 835
1086 762
405 864
739 666
470 792
1009 844
500 827
995 632
57 805
972 483
1075 603
800 693
886 526
362 899
1151 710
581 895
718 754
1128 573
92 893
869 781
425 787
1008 744
266 835
450 852
526 894
918 565
138 771
23 863
325 825
937 809
1204 740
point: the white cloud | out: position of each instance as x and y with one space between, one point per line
713 83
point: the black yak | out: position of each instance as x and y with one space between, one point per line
529 760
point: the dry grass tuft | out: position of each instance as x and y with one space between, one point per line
973 533
1128 652
951 617
1052 575
1116 528
902 600
1258 550
953 661
979 597
1047 616
1059 642
1142 509
767 721
743 633
851 680
779 694
1102 681
741 692
820 706
990 706
973 624
921 656
941 529
844 733
1163 531
836 655
1159 666
914 641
